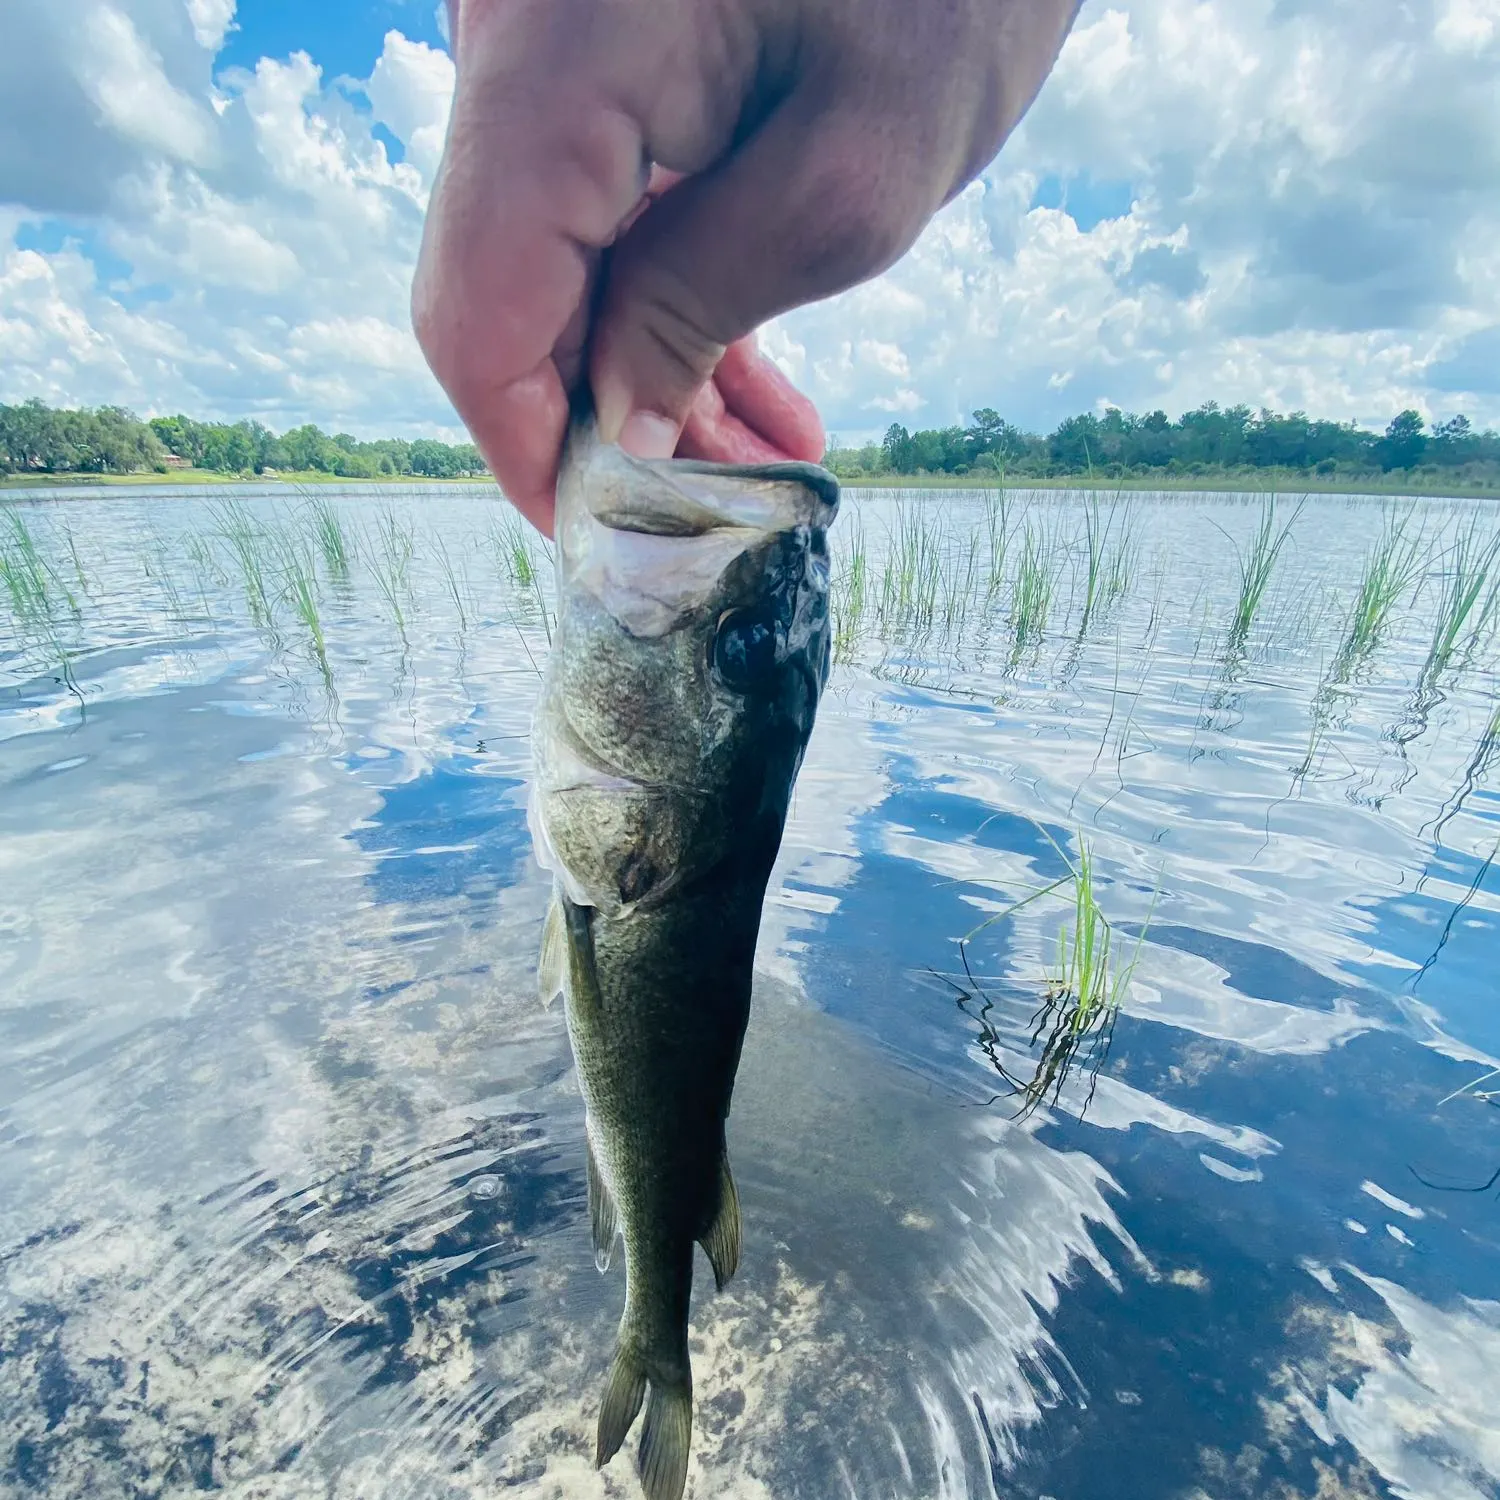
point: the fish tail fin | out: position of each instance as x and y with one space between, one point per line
622 1400
721 1243
665 1437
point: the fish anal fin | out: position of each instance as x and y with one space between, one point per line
722 1241
552 962
603 1220
665 1436
622 1400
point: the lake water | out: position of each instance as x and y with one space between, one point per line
291 1162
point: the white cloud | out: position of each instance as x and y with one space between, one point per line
124 78
1301 208
1315 202
411 91
211 21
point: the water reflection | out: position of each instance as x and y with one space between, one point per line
291 1175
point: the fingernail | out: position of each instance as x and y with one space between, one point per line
647 435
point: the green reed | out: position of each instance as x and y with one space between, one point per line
36 593
959 581
78 573
512 546
247 541
848 596
910 583
32 586
1468 599
1033 590
1083 994
336 547
997 535
1391 568
390 555
1256 567
299 587
452 575
1110 553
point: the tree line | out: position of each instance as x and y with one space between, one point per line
1209 440
39 439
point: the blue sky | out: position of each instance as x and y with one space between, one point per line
343 36
215 208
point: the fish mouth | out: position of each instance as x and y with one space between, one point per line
651 539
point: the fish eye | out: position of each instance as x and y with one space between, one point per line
744 651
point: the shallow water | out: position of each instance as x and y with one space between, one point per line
291 1167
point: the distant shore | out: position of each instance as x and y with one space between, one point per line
201 478
1280 482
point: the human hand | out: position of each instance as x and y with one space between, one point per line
734 158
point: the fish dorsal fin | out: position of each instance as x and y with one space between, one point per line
552 963
603 1220
722 1242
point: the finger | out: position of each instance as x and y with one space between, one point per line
536 177
713 433
810 204
760 396
749 413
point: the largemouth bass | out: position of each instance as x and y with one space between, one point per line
691 646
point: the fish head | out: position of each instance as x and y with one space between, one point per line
691 648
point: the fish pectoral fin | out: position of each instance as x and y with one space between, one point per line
665 1436
552 963
604 1222
722 1242
622 1400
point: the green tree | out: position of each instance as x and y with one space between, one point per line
1404 443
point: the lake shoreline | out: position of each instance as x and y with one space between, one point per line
1198 484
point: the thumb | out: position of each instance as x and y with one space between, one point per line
810 204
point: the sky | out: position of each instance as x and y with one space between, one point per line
214 208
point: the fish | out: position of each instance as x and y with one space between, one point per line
690 649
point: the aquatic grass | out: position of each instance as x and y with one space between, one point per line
35 592
512 546
1484 757
958 582
451 576
997 531
1391 568
78 572
1084 992
1256 567
1033 590
29 583
848 595
247 541
1468 599
332 541
1109 556
299 584
390 554
910 581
